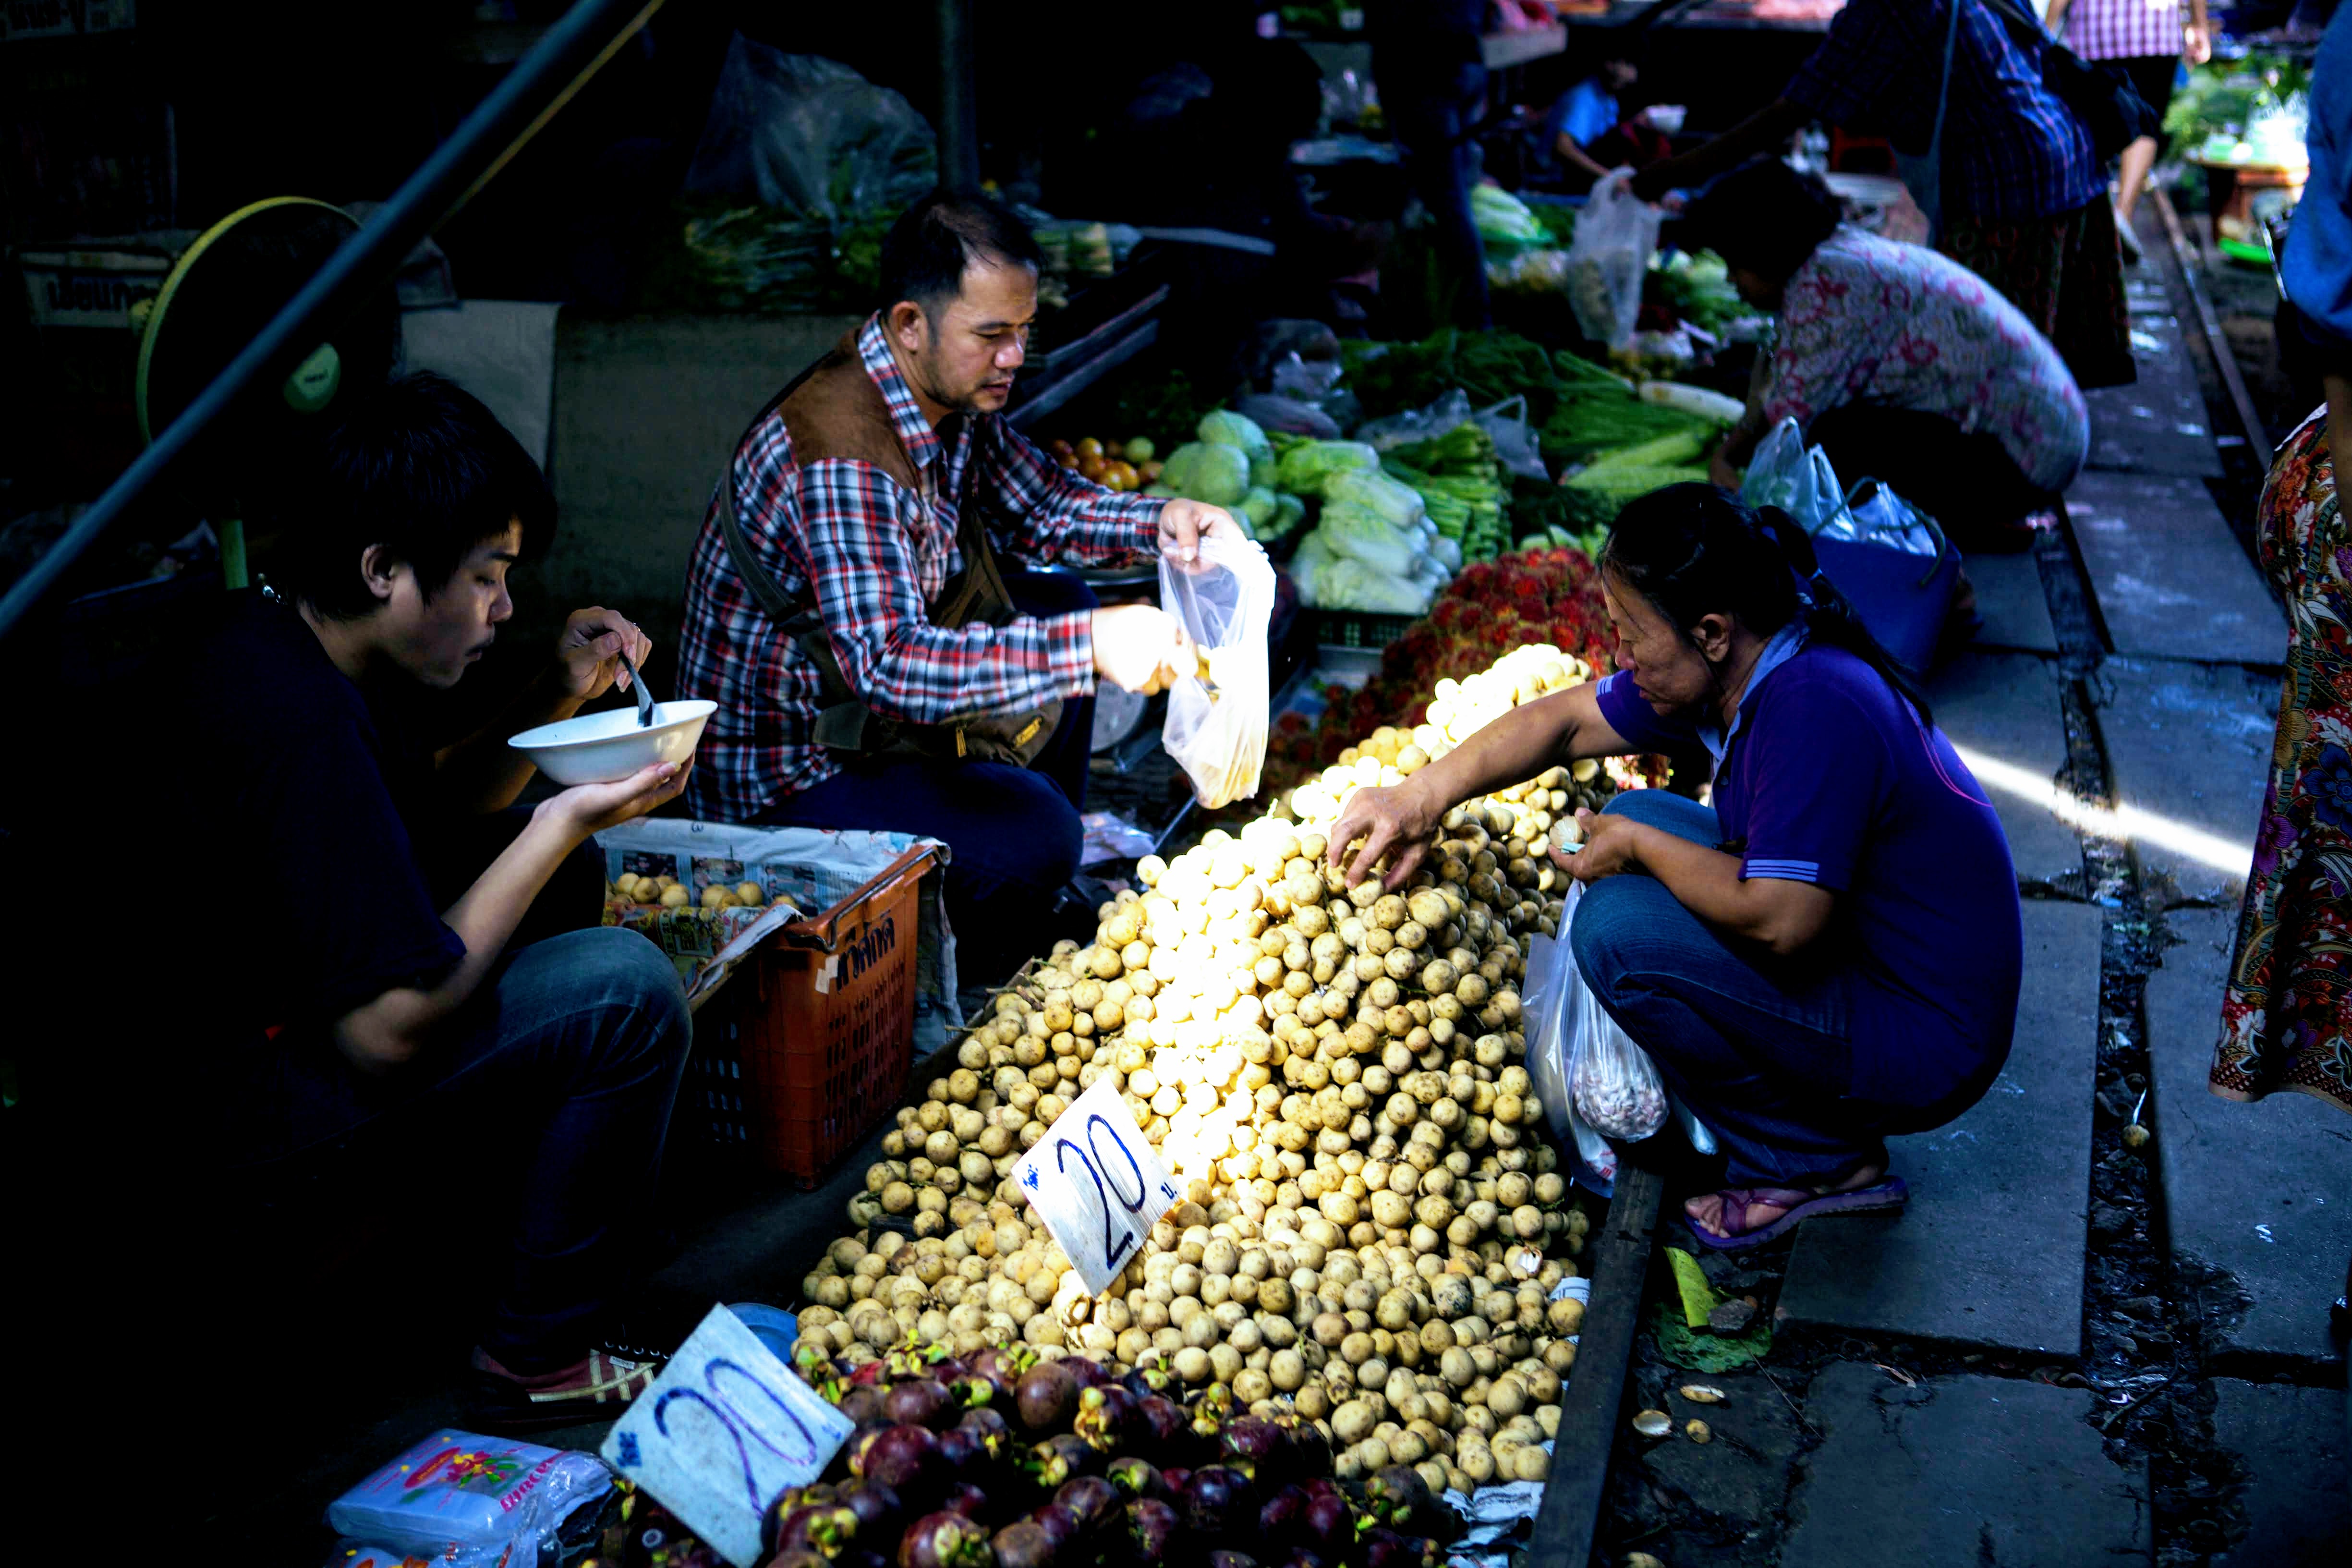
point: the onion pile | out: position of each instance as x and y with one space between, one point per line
1373 1223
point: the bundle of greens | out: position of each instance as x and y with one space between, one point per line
1548 514
1460 483
1501 216
1388 378
1622 475
2223 96
1697 290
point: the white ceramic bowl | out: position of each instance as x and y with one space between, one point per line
599 748
1667 118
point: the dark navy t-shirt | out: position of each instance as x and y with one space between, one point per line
292 792
1831 778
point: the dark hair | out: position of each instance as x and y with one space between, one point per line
419 466
1762 215
1693 550
926 252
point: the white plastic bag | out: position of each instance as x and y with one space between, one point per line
1451 409
1798 478
810 136
1885 518
1613 1086
1615 236
1224 601
1516 448
1553 992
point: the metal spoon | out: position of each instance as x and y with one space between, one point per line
644 697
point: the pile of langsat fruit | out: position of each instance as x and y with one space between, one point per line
1374 1230
669 894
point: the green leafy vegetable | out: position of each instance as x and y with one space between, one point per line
1388 378
1702 1351
1307 465
1207 471
1663 452
1396 504
1352 529
1223 427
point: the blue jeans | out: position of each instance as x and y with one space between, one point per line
1012 833
575 1049
1759 1049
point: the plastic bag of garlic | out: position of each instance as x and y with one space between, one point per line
1374 1222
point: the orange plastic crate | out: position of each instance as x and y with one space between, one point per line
808 1044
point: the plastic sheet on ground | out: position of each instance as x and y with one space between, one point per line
1110 836
1497 1521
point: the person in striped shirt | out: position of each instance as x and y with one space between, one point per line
2149 39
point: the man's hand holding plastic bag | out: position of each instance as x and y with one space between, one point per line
1615 237
1184 523
1222 597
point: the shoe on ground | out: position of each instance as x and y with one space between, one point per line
597 1387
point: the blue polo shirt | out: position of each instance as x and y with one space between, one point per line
1828 776
1586 112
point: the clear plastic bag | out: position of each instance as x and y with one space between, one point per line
1885 518
1553 990
1224 601
1516 448
1449 412
1616 233
1613 1086
810 136
1798 478
1276 411
1308 380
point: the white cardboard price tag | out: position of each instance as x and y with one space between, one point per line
722 1432
1098 1183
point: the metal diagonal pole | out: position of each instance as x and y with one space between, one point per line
959 114
541 83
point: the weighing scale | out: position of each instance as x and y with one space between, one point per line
219 295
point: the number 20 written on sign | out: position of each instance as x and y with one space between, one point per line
1097 1183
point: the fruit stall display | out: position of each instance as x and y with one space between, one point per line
1545 600
1129 465
1358 1300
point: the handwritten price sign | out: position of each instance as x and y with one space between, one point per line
1097 1184
722 1432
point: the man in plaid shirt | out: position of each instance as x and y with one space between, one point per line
850 493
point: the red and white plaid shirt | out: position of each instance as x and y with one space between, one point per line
877 554
2123 29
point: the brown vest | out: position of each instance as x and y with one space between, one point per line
834 410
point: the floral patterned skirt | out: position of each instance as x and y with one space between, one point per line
2286 1018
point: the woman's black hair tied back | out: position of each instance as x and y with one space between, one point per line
1796 544
1696 550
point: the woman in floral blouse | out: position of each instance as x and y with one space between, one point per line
1899 362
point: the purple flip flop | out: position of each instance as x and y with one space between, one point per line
1883 1198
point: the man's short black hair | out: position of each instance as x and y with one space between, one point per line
419 466
1763 216
926 252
